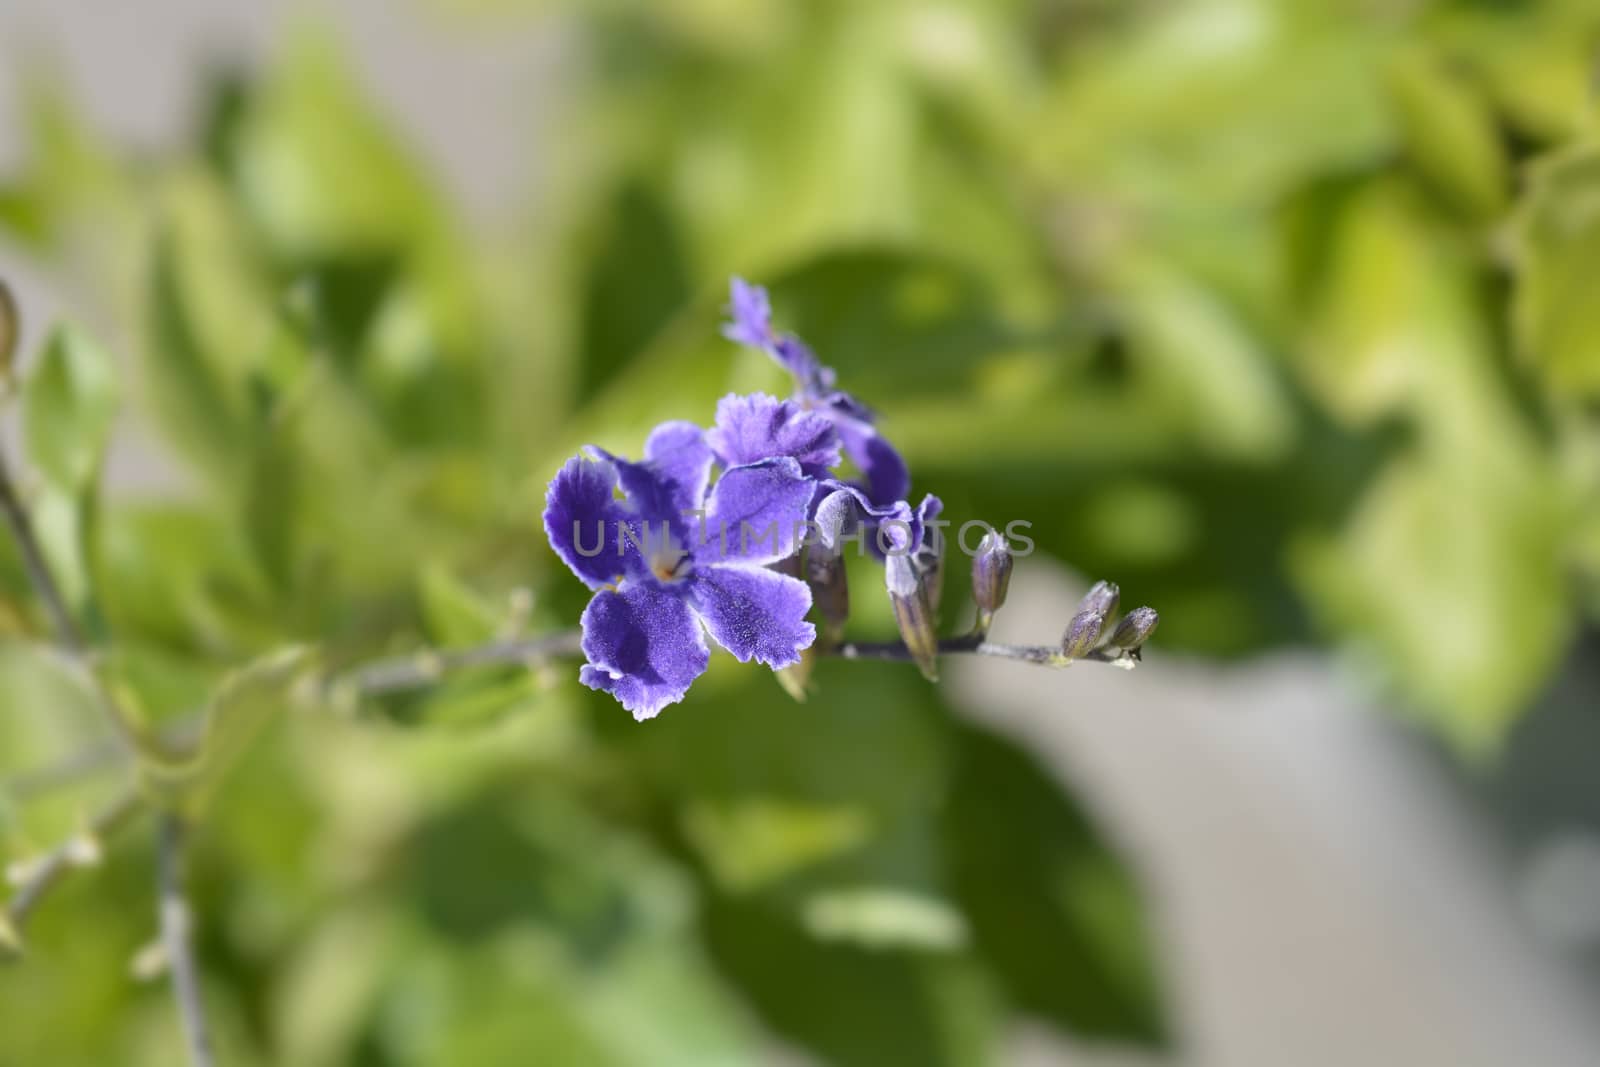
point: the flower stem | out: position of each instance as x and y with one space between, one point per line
975 645
177 937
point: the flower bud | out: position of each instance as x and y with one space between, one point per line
1083 632
796 678
1136 629
991 577
930 564
1101 599
830 589
908 594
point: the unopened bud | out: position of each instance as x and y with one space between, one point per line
930 562
1083 632
796 678
830 590
1101 599
908 594
1135 629
991 577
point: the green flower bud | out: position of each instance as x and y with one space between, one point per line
1083 633
1136 629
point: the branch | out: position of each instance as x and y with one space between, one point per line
38 877
419 669
1039 655
177 938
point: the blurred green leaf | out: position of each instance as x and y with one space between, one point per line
852 1006
240 708
636 282
455 614
69 401
1557 319
1450 132
1449 572
185 389
1050 906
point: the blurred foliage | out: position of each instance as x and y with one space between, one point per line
1277 312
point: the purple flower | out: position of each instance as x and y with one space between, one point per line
661 577
886 478
757 427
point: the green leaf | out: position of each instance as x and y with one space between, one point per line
1449 571
189 395
240 708
852 1006
454 612
1450 133
69 401
636 283
1557 318
47 714
1051 907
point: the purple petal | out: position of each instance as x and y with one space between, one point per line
905 531
887 479
756 513
581 519
751 311
843 508
755 613
679 455
927 511
797 358
670 482
644 647
753 428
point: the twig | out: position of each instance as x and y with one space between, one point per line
417 670
45 873
177 938
420 669
1040 655
424 668
77 766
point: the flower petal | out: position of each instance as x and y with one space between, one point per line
755 613
756 513
582 519
843 508
644 647
887 478
679 455
757 427
795 356
751 311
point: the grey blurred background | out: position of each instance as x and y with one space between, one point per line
1329 891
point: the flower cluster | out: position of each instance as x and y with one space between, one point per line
737 531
